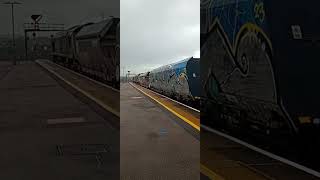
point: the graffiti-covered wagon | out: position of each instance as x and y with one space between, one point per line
259 65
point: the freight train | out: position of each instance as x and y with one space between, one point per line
259 68
179 80
92 49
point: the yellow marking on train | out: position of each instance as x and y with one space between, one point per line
108 108
210 174
171 110
304 119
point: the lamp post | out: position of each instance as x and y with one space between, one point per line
12 19
128 76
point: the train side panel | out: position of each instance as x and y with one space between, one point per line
145 79
295 36
92 49
98 51
237 68
193 74
172 80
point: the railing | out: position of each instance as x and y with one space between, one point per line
43 26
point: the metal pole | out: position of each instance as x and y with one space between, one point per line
12 19
26 44
128 76
13 39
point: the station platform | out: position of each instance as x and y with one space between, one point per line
232 160
99 96
49 133
154 145
224 157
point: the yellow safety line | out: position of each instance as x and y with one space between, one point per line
108 108
204 170
171 110
210 174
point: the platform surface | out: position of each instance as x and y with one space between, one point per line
107 96
222 158
153 145
44 127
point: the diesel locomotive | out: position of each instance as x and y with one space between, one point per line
92 49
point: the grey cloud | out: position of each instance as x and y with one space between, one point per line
68 12
158 32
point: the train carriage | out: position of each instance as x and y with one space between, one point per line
97 50
64 45
92 49
259 65
60 46
144 79
180 80
135 79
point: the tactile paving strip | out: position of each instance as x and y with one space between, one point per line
68 122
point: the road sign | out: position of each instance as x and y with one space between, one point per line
36 17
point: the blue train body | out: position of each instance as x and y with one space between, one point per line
238 75
179 80
258 64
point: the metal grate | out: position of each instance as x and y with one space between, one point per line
93 150
81 149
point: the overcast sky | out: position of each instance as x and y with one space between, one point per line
155 33
69 12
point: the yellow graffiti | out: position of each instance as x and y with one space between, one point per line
259 11
245 27
182 76
256 29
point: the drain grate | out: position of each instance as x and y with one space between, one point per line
93 150
81 149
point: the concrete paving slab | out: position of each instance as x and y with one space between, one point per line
153 145
29 97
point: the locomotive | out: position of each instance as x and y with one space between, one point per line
92 49
180 80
